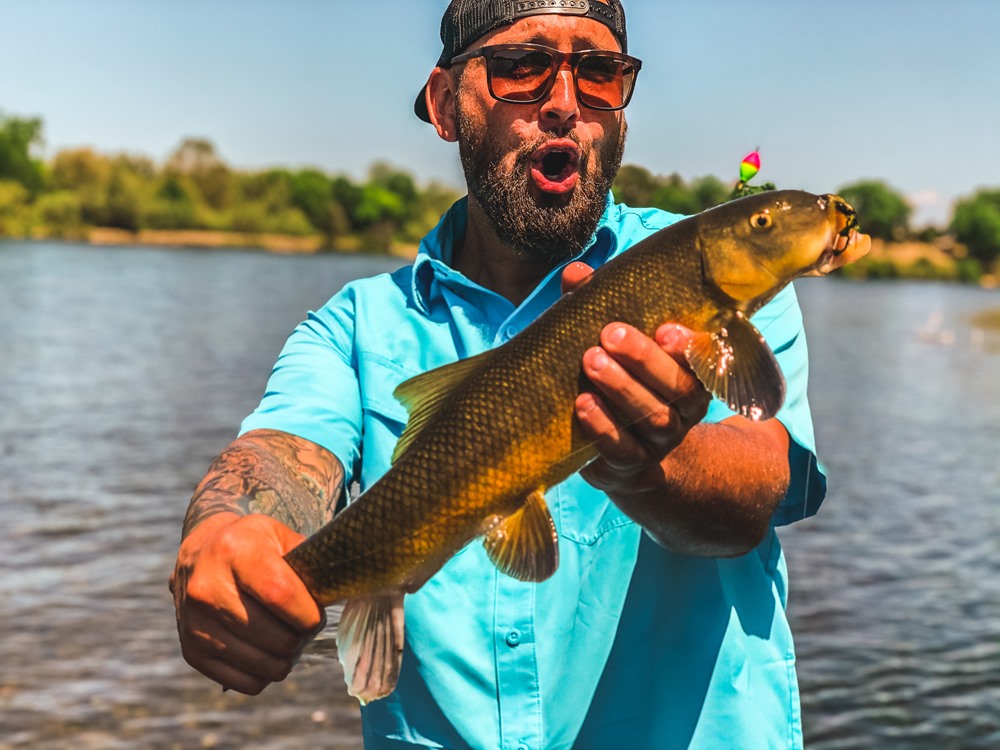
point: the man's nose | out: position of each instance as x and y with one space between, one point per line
561 108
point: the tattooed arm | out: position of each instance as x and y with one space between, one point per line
243 615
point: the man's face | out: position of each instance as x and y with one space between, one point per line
541 172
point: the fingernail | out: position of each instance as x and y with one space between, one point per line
598 360
616 334
669 335
585 404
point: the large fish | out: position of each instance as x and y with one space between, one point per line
488 435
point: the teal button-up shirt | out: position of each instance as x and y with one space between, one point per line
628 645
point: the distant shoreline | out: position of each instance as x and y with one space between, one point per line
938 260
288 244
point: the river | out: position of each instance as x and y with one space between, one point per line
123 371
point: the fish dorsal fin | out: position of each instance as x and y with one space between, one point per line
524 545
370 644
424 394
737 366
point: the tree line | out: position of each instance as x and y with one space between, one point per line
194 188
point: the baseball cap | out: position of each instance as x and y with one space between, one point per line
465 21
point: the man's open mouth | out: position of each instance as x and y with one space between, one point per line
555 166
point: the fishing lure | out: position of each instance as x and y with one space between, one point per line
749 168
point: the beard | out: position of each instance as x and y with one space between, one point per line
552 228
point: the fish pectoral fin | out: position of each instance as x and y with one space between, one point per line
424 394
370 645
524 545
738 367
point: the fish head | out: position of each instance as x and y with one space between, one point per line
753 246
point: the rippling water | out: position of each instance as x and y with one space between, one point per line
124 371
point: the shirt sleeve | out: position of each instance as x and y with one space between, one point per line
313 390
780 322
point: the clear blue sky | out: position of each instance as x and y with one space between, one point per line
903 90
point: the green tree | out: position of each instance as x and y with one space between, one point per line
883 212
197 161
976 224
172 206
18 138
59 213
378 205
348 196
710 191
14 209
312 194
634 186
86 174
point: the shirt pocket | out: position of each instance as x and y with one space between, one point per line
583 514
383 417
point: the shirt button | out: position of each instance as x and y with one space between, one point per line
522 746
514 638
511 331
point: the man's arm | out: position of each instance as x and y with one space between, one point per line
243 615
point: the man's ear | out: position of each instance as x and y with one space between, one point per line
442 98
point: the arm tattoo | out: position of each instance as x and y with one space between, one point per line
265 471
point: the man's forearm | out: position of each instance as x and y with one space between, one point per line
716 491
265 471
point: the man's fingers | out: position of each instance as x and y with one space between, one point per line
243 615
222 655
647 387
575 275
619 449
277 589
660 365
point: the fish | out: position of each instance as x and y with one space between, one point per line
488 435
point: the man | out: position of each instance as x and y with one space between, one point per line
664 625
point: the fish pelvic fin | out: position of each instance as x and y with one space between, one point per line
738 367
370 645
524 545
423 395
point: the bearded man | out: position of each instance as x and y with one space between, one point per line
664 625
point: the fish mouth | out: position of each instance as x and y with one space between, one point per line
844 235
555 166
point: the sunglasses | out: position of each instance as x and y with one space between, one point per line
525 74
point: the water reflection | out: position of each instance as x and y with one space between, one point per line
123 372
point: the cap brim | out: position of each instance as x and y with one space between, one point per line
420 105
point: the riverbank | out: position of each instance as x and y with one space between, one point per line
276 243
942 259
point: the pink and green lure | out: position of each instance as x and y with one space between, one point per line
749 168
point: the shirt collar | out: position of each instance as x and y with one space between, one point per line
433 262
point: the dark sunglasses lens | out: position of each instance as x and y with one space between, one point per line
520 75
604 82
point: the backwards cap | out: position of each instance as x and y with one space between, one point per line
465 21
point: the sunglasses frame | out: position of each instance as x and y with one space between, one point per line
559 58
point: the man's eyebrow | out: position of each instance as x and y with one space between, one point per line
546 41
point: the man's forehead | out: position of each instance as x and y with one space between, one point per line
552 29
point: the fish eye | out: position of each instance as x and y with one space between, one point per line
761 220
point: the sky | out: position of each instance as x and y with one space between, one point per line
905 91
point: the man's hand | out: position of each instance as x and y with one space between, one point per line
646 403
697 489
243 615
648 399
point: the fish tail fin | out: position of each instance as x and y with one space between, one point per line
370 645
